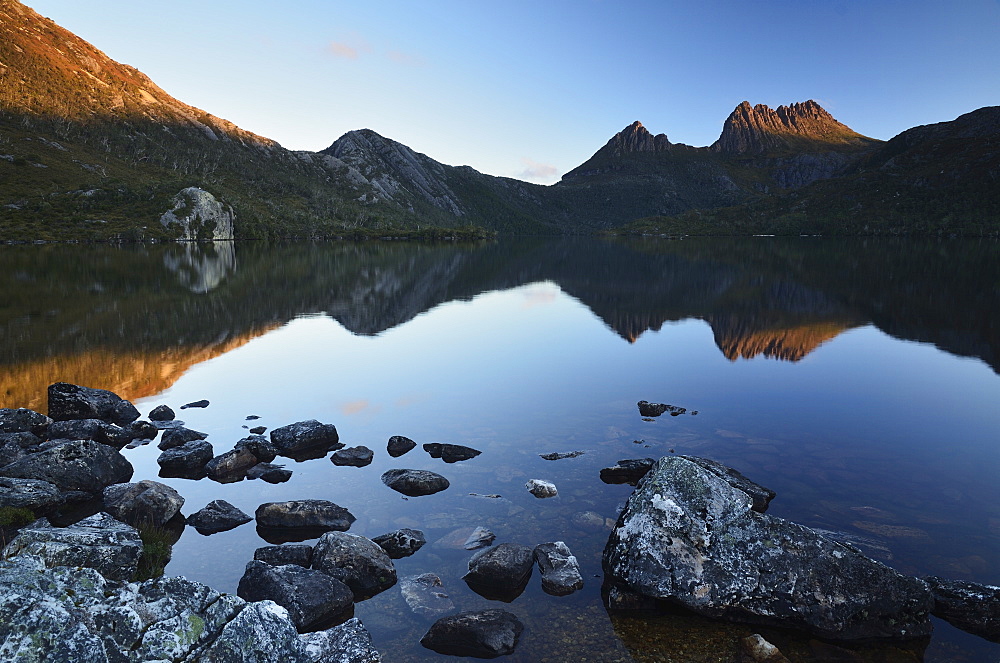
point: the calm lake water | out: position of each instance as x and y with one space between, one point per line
857 378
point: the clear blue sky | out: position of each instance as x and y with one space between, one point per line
532 89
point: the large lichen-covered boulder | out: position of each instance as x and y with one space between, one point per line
73 614
198 215
356 561
22 420
689 537
311 597
76 465
99 542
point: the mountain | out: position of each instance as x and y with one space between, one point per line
803 126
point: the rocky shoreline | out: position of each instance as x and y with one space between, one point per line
694 533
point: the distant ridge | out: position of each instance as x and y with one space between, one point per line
759 129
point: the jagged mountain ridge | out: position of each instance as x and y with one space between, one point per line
760 129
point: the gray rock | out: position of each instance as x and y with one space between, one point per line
483 634
425 595
161 413
198 215
143 503
90 429
15 446
33 494
450 453
141 430
77 465
230 466
500 573
689 537
353 456
755 649
656 409
348 643
175 437
304 437
480 538
196 404
560 569
269 473
556 455
628 470
760 495
311 597
541 488
258 430
186 461
401 543
217 516
99 542
415 482
280 555
70 401
968 605
259 446
309 514
23 420
356 561
399 445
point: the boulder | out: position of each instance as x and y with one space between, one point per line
415 482
399 445
479 538
425 595
689 537
23 420
401 543
356 561
186 461
70 401
348 643
196 404
99 542
561 455
141 430
304 437
629 470
33 494
197 215
230 466
500 573
259 446
269 473
258 430
280 555
217 516
541 488
90 429
175 437
656 409
968 605
312 598
78 465
304 514
353 456
483 634
560 569
450 453
161 413
760 495
755 649
15 446
143 503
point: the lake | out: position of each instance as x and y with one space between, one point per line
855 377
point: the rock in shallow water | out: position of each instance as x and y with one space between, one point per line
627 470
559 567
280 555
689 537
760 495
450 453
23 420
33 494
353 456
425 595
320 514
968 605
77 465
541 488
500 573
401 543
311 597
304 437
217 516
70 401
414 483
143 503
356 561
186 461
483 634
399 445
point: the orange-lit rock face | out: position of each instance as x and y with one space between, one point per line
131 374
790 344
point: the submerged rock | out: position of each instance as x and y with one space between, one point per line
70 401
480 538
968 605
356 561
483 634
425 595
500 573
143 503
100 542
312 598
689 537
450 453
399 445
541 488
559 567
401 543
217 516
415 482
755 649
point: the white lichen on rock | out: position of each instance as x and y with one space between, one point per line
199 216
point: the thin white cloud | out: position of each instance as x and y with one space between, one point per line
537 171
349 49
407 59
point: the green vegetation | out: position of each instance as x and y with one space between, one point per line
12 519
156 551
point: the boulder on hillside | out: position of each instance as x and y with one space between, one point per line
143 503
70 401
689 537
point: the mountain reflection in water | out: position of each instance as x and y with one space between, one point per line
133 318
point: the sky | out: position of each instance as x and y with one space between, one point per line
531 89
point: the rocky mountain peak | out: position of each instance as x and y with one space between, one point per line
758 129
636 138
